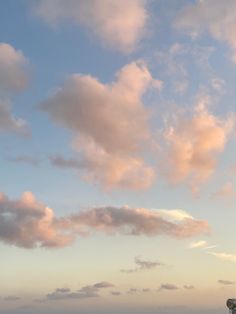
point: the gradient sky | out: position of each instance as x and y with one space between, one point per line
117 150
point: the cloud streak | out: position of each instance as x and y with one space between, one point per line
28 223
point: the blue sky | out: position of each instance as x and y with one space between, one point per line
117 132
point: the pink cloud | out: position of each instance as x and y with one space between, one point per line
110 125
28 223
117 24
193 144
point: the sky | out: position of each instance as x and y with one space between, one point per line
117 151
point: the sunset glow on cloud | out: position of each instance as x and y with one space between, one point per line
117 151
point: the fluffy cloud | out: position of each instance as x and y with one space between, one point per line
193 143
215 16
118 24
13 78
110 125
24 159
11 298
142 265
12 70
189 287
29 223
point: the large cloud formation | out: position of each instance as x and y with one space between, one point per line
216 16
13 78
28 223
110 124
118 24
193 143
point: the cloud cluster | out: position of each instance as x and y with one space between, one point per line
91 291
117 24
193 142
215 16
110 125
141 265
28 223
13 78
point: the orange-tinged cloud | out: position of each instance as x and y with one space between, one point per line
110 124
193 143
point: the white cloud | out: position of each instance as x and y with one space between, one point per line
118 24
110 124
224 256
198 244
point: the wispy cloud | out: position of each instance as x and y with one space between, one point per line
142 265
224 256
214 16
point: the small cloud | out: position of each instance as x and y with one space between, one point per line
189 287
12 298
168 286
226 282
115 293
198 244
142 265
103 284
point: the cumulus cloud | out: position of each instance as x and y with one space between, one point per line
28 223
226 282
115 293
168 286
224 256
141 265
215 16
110 125
117 24
193 143
13 78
